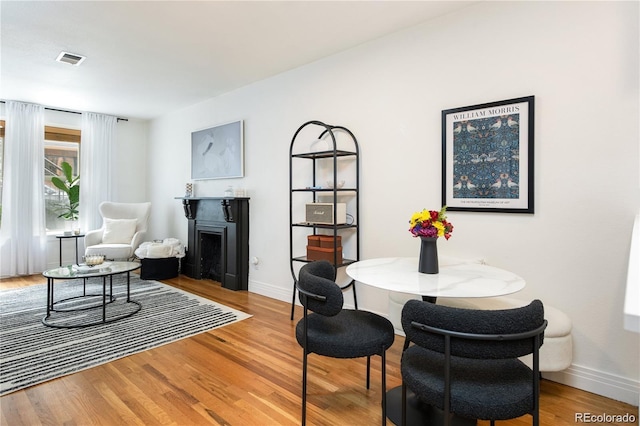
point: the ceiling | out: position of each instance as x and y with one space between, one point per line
147 58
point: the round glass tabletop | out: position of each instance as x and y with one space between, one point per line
84 271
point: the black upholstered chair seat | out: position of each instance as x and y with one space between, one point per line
474 393
349 334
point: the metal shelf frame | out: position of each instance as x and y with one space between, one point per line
328 133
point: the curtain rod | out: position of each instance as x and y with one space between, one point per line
72 112
77 112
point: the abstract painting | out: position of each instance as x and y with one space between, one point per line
218 152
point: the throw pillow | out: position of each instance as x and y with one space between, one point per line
118 231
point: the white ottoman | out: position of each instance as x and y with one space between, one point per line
556 353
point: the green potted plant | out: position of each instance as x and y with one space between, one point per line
71 186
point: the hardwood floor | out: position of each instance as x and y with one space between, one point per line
247 373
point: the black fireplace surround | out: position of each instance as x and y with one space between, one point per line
218 240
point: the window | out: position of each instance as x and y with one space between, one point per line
60 145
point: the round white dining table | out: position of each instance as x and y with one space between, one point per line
454 280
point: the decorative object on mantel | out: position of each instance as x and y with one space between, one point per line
429 225
188 193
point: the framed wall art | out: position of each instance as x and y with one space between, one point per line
487 157
218 152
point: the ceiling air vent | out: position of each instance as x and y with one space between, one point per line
70 58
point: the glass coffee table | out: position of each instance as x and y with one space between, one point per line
88 309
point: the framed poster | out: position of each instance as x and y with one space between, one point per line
218 152
487 157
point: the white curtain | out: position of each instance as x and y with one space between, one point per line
98 133
23 236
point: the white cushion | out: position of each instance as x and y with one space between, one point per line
111 251
118 231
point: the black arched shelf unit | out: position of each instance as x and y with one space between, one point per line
338 160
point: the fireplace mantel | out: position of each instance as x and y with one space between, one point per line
227 217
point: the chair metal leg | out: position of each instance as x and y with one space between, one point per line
305 354
304 388
383 391
404 404
355 297
368 371
293 300
536 380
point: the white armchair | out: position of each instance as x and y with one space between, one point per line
123 230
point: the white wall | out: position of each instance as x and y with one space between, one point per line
130 153
579 59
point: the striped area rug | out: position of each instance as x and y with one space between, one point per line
31 353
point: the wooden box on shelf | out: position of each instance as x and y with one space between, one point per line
323 247
324 241
313 240
327 241
322 253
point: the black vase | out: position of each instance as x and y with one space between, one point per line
428 263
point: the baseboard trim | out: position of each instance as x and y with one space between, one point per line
279 293
271 291
598 382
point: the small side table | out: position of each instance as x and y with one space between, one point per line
64 237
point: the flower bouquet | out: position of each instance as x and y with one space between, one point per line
431 223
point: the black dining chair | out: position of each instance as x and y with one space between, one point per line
465 361
329 330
